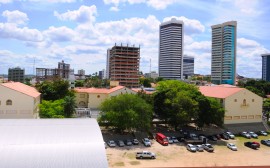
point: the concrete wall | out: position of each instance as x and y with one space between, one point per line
243 107
23 106
81 100
95 99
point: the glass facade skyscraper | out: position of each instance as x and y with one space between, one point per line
171 49
266 67
223 65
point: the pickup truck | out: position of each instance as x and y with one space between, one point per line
145 155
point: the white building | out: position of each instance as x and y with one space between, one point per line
171 39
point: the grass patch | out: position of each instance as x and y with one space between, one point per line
135 162
119 164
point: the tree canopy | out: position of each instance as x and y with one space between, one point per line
260 87
180 103
126 112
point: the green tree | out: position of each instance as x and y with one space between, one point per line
126 112
146 82
79 83
51 109
69 106
53 90
266 108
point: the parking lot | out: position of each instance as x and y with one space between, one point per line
176 155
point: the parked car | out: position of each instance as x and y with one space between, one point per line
120 143
232 146
170 140
230 135
193 136
174 139
111 143
135 141
208 147
245 134
212 138
128 142
162 139
262 133
145 155
218 136
251 145
199 148
224 136
253 135
259 145
146 142
266 142
191 148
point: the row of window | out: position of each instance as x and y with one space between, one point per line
8 102
244 117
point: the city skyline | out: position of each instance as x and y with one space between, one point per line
80 32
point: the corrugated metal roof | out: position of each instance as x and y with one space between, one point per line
51 143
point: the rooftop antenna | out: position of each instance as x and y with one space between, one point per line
34 65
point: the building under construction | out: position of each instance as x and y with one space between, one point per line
63 71
124 64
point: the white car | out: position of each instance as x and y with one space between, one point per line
170 140
199 148
174 139
146 142
111 143
231 136
232 146
191 148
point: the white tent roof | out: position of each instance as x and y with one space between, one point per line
51 143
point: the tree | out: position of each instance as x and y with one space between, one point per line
53 90
69 106
126 112
266 108
180 103
51 109
146 82
79 83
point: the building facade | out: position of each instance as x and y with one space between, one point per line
18 100
223 65
171 39
124 64
16 74
266 67
240 104
152 74
188 66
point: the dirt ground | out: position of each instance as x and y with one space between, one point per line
176 155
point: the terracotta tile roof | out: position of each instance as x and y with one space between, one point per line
98 90
219 91
20 87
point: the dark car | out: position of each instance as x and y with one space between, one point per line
218 136
252 145
224 136
128 142
212 138
120 143
266 142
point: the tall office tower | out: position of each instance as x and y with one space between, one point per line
188 66
266 67
16 74
108 64
223 68
124 64
171 38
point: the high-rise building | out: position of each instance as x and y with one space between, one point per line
188 66
223 67
16 74
171 38
101 74
108 64
266 67
124 64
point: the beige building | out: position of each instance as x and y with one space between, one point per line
93 97
18 100
241 105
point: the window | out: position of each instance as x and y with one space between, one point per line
253 100
244 102
9 103
82 103
235 100
98 96
82 96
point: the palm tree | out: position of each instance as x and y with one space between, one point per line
69 106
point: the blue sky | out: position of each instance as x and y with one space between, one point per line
80 31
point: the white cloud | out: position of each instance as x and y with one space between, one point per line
82 15
203 46
59 34
191 26
9 30
114 8
159 5
16 17
48 1
246 43
5 1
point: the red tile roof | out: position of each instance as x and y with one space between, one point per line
20 87
219 91
98 90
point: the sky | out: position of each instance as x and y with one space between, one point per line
39 33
